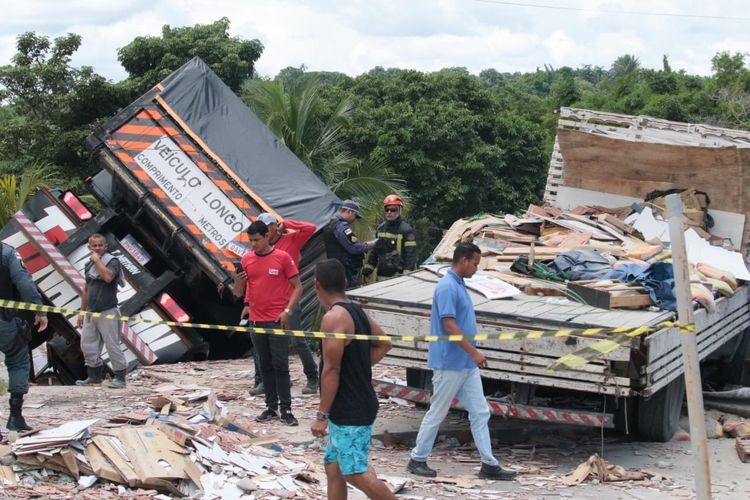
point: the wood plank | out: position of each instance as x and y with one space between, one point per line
504 363
546 381
605 164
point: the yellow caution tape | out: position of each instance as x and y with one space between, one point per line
616 332
598 349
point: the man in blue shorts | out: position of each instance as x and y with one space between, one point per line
348 404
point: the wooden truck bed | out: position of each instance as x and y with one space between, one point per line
641 366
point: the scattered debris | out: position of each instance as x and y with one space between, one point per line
598 469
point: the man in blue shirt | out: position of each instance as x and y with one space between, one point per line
455 366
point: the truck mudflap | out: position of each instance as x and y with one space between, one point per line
60 280
502 409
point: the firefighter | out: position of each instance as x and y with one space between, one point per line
395 249
15 333
341 241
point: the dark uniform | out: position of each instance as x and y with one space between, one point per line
341 243
15 333
395 251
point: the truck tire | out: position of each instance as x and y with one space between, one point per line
659 416
734 371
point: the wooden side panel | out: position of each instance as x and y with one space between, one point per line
624 167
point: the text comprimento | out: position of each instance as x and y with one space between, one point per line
190 188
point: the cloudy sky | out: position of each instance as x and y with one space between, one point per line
353 36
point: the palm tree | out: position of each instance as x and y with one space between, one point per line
299 118
16 191
625 65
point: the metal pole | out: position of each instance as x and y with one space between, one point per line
689 349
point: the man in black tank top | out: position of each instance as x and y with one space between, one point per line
348 404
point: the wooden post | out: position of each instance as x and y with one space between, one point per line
690 358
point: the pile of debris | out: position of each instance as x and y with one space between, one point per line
176 447
605 257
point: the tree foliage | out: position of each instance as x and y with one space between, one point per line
312 127
150 59
48 106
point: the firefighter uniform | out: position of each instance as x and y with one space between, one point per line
395 251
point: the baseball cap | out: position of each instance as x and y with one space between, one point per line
267 218
352 205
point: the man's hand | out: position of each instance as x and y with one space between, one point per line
370 244
41 322
280 226
95 257
319 428
245 312
284 320
80 320
479 359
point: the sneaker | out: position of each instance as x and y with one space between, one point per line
496 472
420 469
289 419
258 389
267 416
311 387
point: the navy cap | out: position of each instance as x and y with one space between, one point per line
352 205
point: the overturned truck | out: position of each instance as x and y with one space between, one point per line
185 169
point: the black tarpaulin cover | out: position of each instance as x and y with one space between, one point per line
215 114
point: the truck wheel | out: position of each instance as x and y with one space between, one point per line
659 416
734 371
418 378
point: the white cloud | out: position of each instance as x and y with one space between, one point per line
354 36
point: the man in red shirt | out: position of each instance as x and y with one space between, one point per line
273 289
290 236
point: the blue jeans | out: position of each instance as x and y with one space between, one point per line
466 385
273 354
299 343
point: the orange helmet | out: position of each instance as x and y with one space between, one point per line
393 199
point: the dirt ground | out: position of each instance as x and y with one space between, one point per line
543 454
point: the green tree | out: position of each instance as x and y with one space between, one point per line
149 59
460 150
624 65
48 106
16 191
565 90
313 130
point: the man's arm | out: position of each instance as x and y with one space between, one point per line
106 273
410 251
452 328
378 348
84 304
21 277
334 321
304 230
348 240
240 282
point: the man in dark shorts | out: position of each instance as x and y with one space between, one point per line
348 404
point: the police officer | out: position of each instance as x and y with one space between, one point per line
15 333
395 249
341 241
